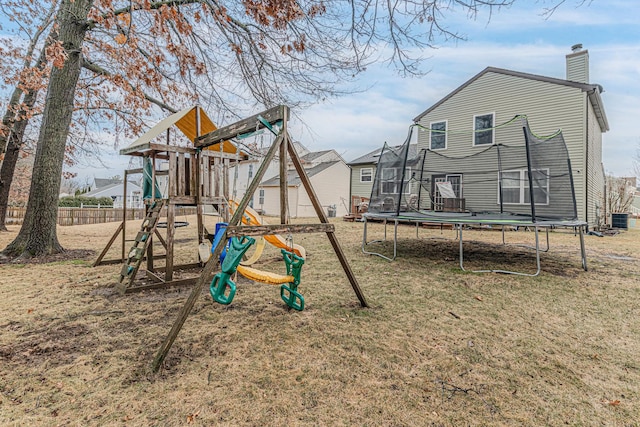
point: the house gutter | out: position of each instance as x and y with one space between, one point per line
586 164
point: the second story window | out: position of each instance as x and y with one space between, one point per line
480 135
366 174
250 171
438 135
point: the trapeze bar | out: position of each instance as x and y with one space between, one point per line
267 229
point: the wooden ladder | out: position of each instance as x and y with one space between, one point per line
140 245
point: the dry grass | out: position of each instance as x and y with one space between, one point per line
556 349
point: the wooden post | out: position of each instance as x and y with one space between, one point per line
149 245
171 218
212 264
323 218
124 214
173 174
284 182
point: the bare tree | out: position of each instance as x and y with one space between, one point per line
619 193
225 54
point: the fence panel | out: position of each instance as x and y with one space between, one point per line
83 216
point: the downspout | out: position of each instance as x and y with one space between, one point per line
606 215
350 193
586 167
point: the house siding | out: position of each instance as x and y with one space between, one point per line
271 205
362 189
596 178
330 185
548 107
331 188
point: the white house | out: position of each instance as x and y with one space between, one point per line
329 176
116 192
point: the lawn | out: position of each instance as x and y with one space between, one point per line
438 346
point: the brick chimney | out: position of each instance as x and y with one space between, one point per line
578 64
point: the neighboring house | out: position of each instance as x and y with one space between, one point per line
116 191
329 176
241 175
496 95
103 182
363 171
635 205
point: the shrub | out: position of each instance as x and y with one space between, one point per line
76 202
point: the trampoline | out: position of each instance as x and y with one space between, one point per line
522 180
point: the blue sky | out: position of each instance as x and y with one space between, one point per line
517 38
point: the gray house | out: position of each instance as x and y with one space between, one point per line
454 125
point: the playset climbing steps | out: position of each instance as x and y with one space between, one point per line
140 245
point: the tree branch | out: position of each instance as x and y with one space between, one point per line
101 71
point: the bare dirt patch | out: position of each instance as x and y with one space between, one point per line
67 255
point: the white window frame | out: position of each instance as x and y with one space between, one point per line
370 170
524 187
261 197
493 130
446 126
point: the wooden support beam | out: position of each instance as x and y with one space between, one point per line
121 260
304 178
212 264
156 148
171 231
250 124
268 229
106 248
179 282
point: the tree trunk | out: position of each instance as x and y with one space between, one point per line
38 234
15 142
6 176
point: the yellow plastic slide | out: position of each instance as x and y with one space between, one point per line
252 217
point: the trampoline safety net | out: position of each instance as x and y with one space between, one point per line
494 180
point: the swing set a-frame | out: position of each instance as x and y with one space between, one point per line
283 145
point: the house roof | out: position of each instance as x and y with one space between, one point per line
103 182
115 189
593 91
372 157
293 179
310 157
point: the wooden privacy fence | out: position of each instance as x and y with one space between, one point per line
82 216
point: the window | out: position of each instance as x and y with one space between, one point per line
391 178
261 198
480 136
250 171
515 187
438 135
366 174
